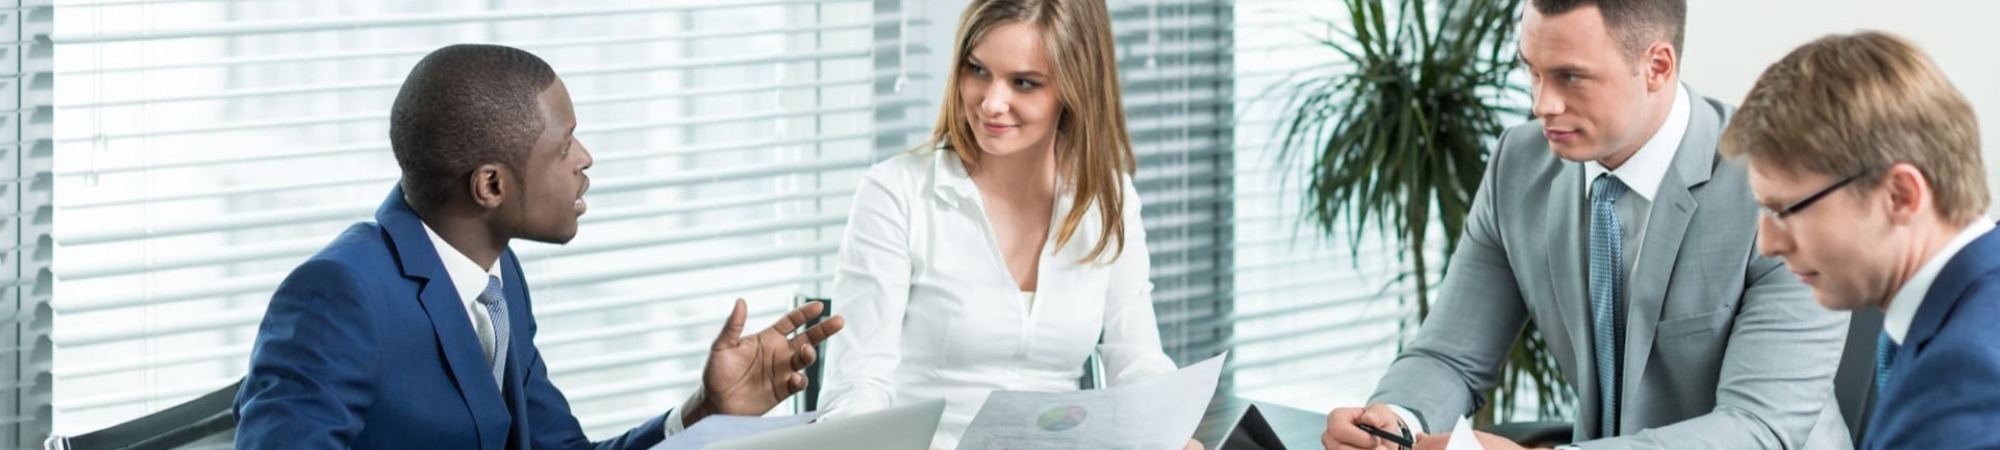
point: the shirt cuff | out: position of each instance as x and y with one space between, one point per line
674 418
1409 419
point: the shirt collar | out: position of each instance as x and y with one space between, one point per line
466 276
1903 307
1643 171
952 181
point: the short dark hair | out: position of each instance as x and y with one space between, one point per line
464 106
1634 23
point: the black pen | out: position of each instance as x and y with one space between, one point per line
1398 440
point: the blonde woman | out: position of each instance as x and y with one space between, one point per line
997 255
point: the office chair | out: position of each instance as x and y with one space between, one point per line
1853 384
815 373
206 421
1093 372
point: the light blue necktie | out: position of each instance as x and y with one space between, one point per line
495 299
1607 293
1885 354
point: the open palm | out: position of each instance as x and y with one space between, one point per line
748 375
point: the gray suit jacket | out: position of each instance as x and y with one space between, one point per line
1724 348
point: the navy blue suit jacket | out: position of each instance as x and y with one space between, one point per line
367 345
1944 383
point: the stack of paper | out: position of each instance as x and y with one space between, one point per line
1462 437
718 428
1156 413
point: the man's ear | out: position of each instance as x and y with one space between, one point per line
491 184
1659 64
1909 193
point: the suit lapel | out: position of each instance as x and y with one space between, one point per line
1673 209
516 373
449 322
1565 261
1958 275
1667 224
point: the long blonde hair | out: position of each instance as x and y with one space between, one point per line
1093 153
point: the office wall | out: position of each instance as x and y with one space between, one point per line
1730 42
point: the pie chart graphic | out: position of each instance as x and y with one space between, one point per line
1062 418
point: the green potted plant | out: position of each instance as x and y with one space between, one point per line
1395 135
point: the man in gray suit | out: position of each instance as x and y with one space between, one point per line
1612 224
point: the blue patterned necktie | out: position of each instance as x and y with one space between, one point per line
1607 293
495 300
1885 354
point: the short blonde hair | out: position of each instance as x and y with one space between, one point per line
1854 104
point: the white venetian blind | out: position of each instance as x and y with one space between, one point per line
25 190
1317 320
203 148
1174 58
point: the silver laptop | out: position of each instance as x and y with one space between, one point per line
906 427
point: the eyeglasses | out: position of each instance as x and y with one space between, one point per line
1778 216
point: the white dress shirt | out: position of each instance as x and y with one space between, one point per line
1903 307
468 280
1642 174
933 312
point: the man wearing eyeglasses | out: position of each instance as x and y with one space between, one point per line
1867 162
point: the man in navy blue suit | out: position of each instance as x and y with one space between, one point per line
416 331
1865 131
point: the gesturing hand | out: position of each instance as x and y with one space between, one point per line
748 375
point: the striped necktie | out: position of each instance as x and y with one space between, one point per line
495 300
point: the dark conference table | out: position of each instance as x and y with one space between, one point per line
1298 429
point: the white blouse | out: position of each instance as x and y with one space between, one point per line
933 312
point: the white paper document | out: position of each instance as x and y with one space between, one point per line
718 428
1155 413
1462 437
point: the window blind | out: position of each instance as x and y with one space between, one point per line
25 192
203 148
1317 317
1178 80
